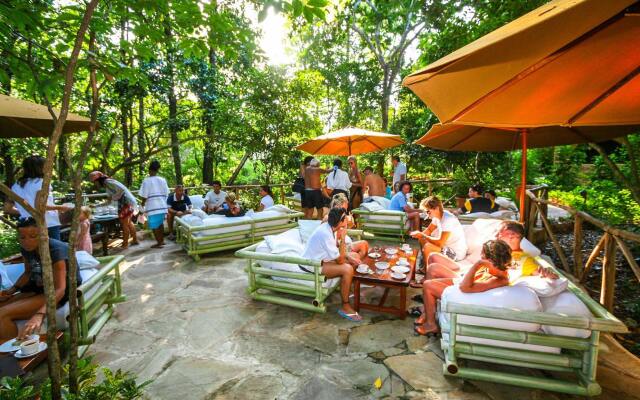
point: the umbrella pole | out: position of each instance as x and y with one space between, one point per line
523 184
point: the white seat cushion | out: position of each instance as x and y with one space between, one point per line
197 201
568 304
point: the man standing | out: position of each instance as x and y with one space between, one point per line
179 205
313 190
373 184
154 191
399 173
214 199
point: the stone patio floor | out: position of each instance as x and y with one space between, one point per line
191 328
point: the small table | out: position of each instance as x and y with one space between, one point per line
108 224
30 363
385 280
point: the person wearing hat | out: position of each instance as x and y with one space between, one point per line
126 204
214 199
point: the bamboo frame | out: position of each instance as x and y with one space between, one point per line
196 245
392 229
261 279
578 356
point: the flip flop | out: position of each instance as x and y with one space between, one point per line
416 284
428 334
355 317
414 312
418 298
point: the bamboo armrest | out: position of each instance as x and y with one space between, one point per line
108 264
381 212
250 253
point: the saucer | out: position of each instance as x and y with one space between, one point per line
400 269
374 255
401 262
397 275
42 347
8 347
362 268
382 265
390 251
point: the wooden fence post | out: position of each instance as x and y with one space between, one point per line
608 273
577 245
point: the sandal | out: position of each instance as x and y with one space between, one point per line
416 332
355 317
414 312
418 298
416 284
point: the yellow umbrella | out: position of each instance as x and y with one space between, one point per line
21 118
350 141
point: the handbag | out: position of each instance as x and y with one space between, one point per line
298 185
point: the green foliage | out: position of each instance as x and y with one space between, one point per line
8 241
117 385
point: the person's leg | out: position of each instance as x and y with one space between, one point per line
438 271
360 247
125 224
428 249
320 213
132 232
414 217
439 258
170 216
345 272
17 308
431 292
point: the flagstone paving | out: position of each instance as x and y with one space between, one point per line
191 329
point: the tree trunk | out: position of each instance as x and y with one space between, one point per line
7 162
173 106
236 172
126 152
208 154
141 139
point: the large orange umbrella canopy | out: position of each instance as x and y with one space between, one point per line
21 119
350 141
569 62
458 137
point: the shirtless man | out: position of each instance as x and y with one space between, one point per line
313 190
373 184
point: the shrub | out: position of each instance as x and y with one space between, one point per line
8 241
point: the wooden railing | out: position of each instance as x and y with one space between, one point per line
612 240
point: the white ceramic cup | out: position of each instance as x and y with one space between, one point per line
403 260
29 347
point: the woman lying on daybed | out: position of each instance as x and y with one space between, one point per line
26 300
488 273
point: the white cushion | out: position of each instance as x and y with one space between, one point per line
199 213
489 230
280 208
86 260
568 304
543 287
506 203
503 214
285 242
371 206
192 220
197 201
306 227
282 218
512 297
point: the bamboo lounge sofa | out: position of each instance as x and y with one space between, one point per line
225 233
466 339
384 224
274 277
100 290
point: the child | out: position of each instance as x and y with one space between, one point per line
83 242
488 273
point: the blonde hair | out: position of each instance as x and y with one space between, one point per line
430 203
86 211
338 200
230 197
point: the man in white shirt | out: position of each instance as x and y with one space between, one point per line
214 199
338 180
399 172
327 245
154 191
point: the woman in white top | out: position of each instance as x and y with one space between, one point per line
338 180
126 204
444 235
266 198
154 192
327 245
27 187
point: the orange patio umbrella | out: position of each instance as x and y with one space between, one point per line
21 118
350 141
565 73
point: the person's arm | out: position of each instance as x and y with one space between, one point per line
342 246
187 201
260 206
19 283
60 285
9 207
469 284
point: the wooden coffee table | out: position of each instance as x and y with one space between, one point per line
385 280
28 364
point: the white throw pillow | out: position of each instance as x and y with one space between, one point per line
288 241
506 203
86 260
529 248
6 281
543 287
264 214
511 297
307 226
199 213
197 202
371 206
569 304
280 208
277 265
192 220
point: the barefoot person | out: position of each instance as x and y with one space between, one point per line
488 273
327 245
360 248
126 203
399 203
313 198
374 184
179 204
30 304
154 191
356 183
